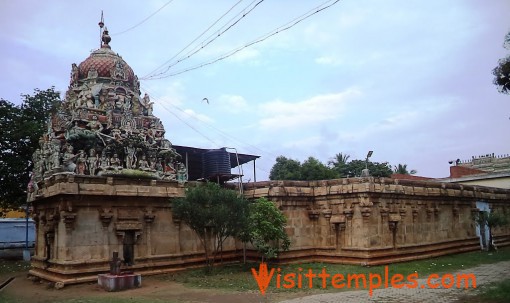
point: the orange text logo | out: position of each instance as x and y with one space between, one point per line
305 279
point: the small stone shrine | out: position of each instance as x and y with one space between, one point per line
117 279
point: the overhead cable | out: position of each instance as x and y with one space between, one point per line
215 144
175 115
141 22
280 29
198 37
204 43
222 133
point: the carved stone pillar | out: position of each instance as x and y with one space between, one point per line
313 214
327 213
415 214
69 218
393 221
149 217
338 223
105 216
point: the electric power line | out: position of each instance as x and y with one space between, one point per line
204 43
175 115
200 133
143 21
222 133
280 29
203 33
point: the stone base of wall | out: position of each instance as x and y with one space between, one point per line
84 273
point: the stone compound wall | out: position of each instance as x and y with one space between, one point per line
82 220
378 220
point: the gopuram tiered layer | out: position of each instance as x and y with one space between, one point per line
105 127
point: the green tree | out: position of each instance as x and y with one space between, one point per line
502 71
230 216
339 164
267 227
354 168
313 169
285 169
490 220
402 169
20 129
212 212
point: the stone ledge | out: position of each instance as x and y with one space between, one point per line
372 185
111 186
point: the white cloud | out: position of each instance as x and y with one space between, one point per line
286 115
316 35
233 103
307 141
168 94
405 119
247 54
201 117
328 60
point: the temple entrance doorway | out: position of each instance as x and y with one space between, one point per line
128 245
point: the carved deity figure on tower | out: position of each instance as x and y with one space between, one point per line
68 159
74 75
115 163
94 125
147 105
81 163
143 164
92 161
130 151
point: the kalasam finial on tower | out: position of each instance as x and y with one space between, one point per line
106 38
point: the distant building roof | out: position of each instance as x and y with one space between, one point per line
460 171
487 163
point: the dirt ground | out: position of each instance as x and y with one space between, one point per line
156 290
21 289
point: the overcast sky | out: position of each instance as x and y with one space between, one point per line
410 80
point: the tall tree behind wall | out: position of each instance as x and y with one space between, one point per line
502 71
20 129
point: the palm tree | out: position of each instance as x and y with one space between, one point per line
402 169
339 164
339 159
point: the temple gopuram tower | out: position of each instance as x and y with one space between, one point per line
104 127
103 179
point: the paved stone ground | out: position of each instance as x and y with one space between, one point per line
484 274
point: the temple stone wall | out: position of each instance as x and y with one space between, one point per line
374 220
82 220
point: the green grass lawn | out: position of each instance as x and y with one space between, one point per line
10 266
240 278
232 278
496 292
